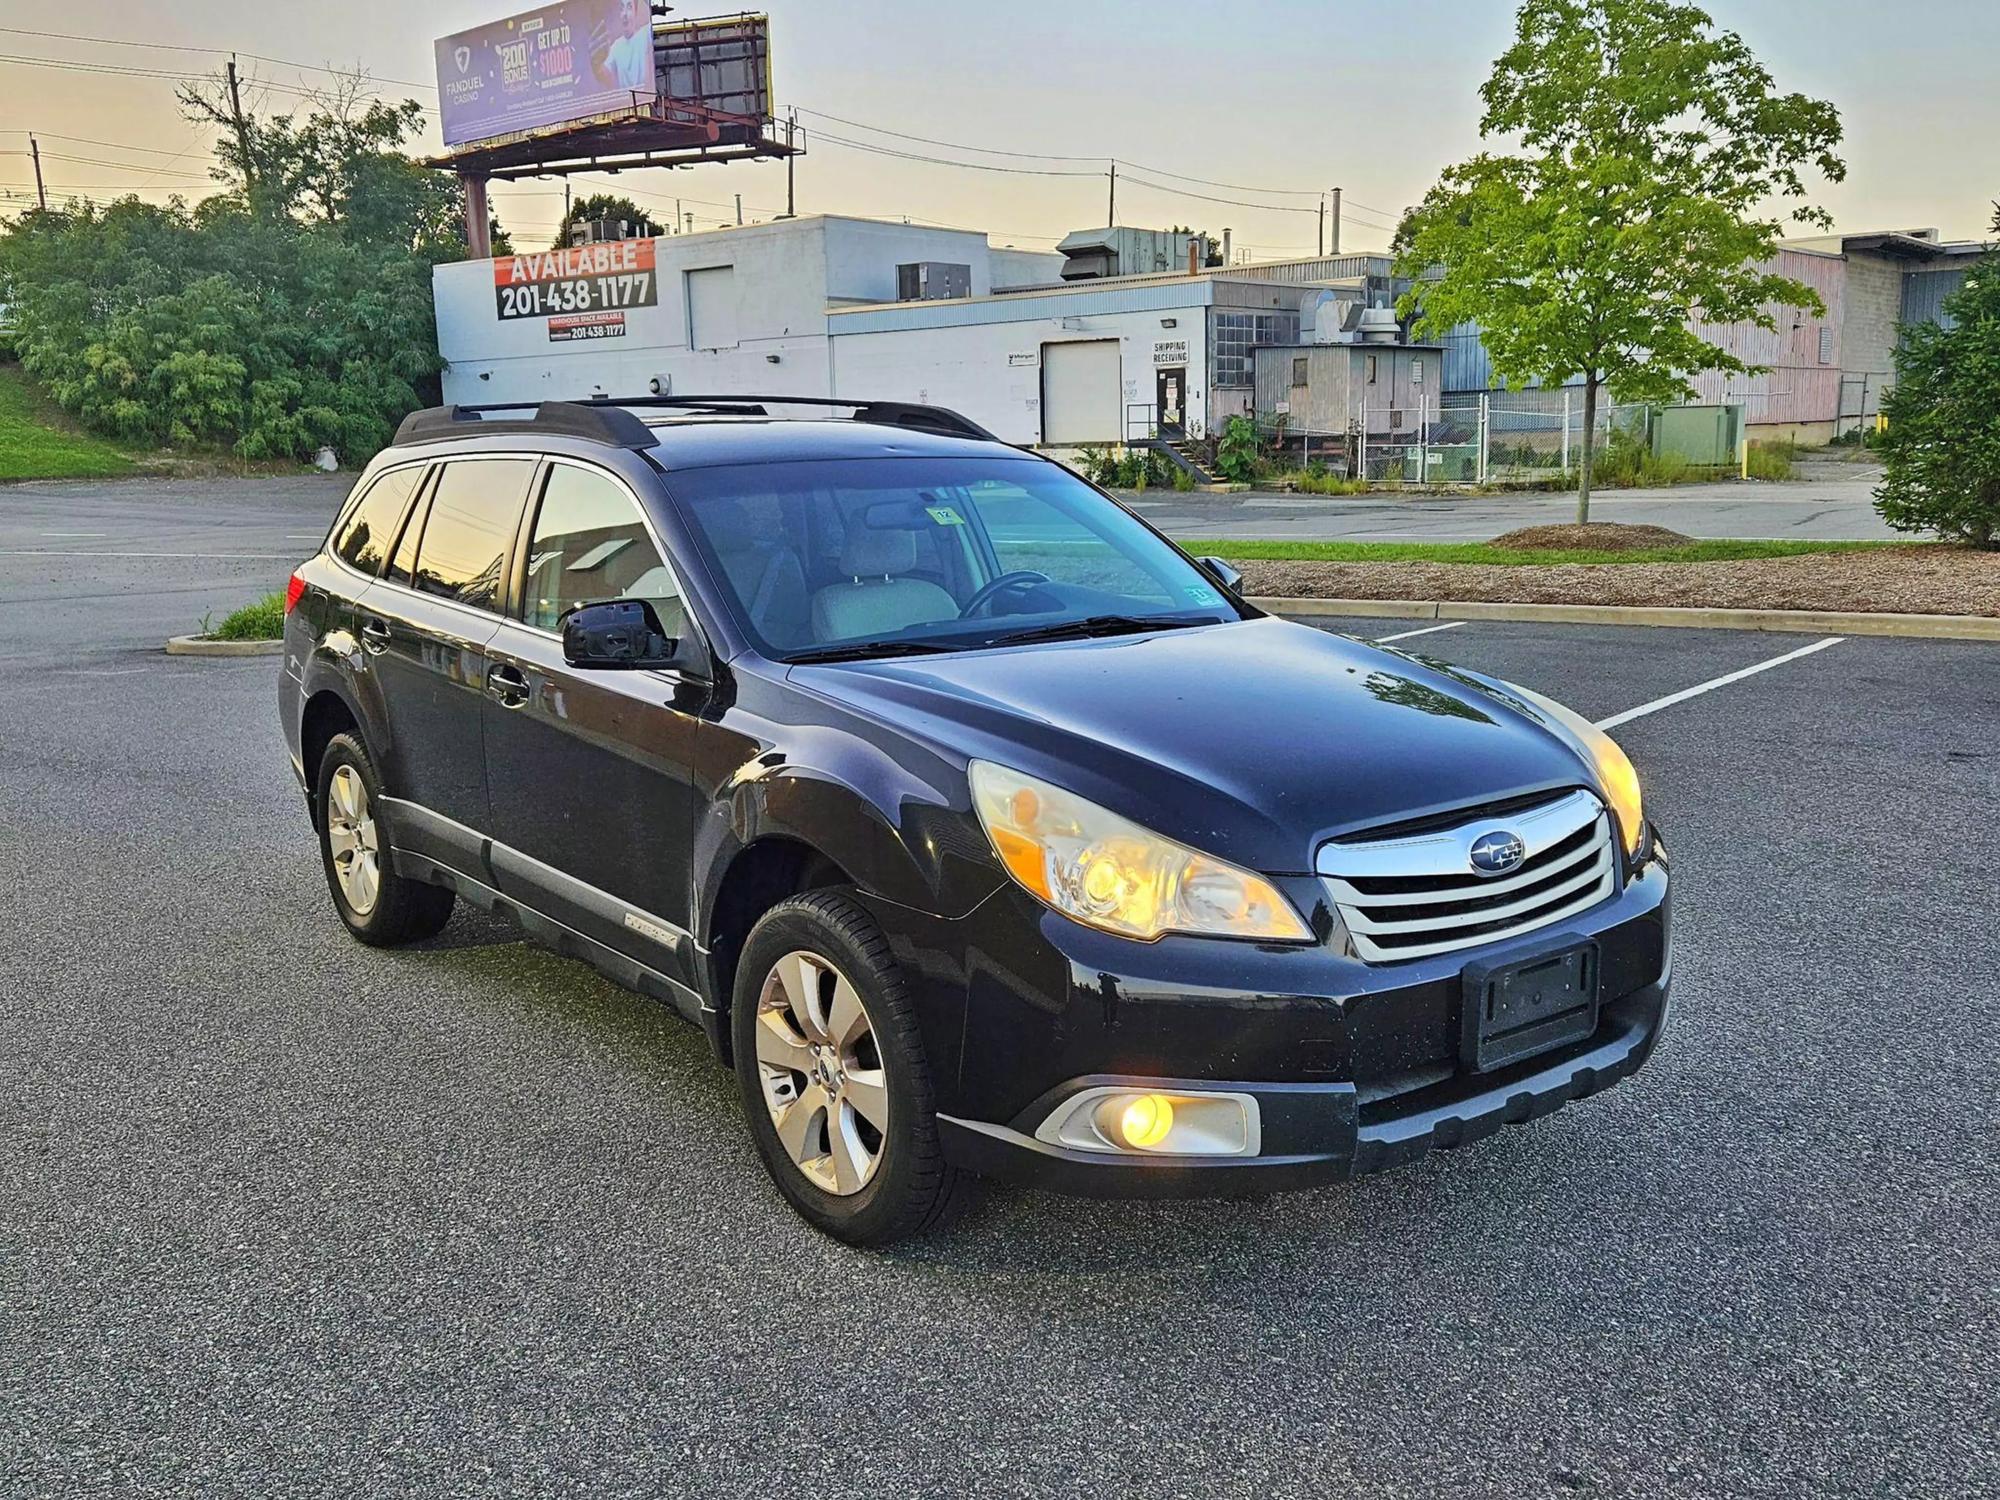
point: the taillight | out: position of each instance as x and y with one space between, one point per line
294 591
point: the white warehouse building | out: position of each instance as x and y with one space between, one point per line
852 308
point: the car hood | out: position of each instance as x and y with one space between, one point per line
1254 741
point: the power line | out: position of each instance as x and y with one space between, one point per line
1269 208
279 62
947 145
940 161
82 140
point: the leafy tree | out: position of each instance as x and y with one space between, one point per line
604 206
292 310
1941 452
1651 148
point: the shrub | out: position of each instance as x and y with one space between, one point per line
262 621
1236 455
1941 452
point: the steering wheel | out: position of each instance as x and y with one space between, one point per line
1023 579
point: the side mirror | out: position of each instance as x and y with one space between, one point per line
1222 573
622 634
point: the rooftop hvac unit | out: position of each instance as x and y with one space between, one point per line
602 231
932 281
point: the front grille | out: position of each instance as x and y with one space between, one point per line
1413 896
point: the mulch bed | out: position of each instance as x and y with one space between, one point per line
1931 580
1594 536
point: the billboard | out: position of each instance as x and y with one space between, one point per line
547 67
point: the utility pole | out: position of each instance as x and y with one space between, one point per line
1322 228
242 127
680 218
1336 221
739 210
41 193
1112 221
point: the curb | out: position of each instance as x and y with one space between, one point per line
1808 621
201 645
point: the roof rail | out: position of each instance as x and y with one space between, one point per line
936 419
595 423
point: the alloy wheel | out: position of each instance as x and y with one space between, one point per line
352 841
821 1071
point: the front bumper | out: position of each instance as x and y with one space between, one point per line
1322 1132
1354 1067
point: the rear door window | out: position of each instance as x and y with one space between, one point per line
590 545
365 536
475 507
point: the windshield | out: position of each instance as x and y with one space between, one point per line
826 558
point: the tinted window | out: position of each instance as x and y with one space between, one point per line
474 508
370 526
590 545
403 566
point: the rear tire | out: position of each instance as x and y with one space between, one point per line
380 907
831 1066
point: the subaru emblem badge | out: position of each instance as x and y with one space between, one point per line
1497 852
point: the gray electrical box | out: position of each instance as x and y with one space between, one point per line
932 280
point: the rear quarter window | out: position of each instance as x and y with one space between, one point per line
364 538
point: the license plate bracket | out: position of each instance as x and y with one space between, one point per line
1520 1004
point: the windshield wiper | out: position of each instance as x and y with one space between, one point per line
1092 626
867 650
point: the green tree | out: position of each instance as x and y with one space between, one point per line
1941 452
290 310
1655 172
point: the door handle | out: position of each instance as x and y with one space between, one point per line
507 685
374 636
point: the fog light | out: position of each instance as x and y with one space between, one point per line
1143 1123
1154 1122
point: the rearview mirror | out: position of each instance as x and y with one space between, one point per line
1222 573
622 634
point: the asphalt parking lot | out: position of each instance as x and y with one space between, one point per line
280 1214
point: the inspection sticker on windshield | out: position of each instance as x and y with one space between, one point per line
944 515
1201 595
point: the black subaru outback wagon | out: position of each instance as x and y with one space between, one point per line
980 828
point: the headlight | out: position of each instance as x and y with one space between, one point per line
1621 782
1101 870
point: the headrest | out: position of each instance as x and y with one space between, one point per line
871 552
729 524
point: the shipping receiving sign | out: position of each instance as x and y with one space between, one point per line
582 290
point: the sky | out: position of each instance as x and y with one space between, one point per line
1279 100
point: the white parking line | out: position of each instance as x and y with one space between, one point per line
199 556
1708 687
73 535
1383 640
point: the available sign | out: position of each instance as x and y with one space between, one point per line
578 60
578 279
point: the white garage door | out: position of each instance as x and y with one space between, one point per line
1082 400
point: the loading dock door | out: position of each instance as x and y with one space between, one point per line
1082 399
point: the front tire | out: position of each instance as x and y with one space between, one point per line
833 1076
380 907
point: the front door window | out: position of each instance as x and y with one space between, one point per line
1172 399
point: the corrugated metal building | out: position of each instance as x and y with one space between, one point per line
1824 373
